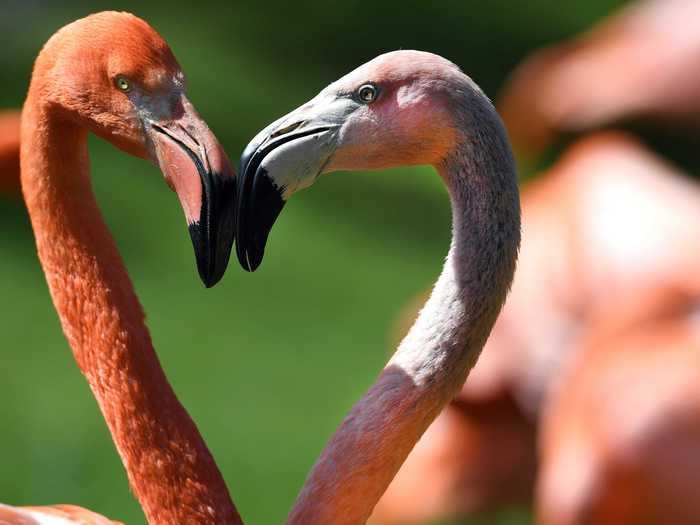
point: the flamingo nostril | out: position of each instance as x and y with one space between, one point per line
205 158
188 133
287 129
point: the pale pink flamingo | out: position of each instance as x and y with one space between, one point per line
402 108
53 515
642 63
609 219
111 74
9 152
621 436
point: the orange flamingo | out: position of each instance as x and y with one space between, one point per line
608 219
640 63
9 153
113 75
402 108
621 436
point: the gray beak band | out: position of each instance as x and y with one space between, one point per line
285 157
260 200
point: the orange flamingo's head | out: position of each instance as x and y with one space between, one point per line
115 75
402 108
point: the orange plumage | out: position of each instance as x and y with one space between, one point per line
132 94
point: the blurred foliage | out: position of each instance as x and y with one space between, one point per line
267 363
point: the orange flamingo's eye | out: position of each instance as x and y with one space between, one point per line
123 84
367 93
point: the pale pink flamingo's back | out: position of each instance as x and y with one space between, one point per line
621 434
639 63
9 153
609 218
53 515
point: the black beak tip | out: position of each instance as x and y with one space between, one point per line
204 264
214 234
260 203
250 259
210 279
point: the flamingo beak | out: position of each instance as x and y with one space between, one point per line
196 167
283 158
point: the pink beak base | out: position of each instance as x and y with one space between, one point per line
196 167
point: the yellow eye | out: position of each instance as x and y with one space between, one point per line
123 84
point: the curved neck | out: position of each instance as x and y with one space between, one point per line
433 361
170 469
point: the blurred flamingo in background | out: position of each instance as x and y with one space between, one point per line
641 63
608 219
621 436
131 93
402 108
479 456
9 153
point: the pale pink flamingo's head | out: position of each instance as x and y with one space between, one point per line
115 75
403 108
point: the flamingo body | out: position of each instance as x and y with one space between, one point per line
53 515
621 437
641 63
608 219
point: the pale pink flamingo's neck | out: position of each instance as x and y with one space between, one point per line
170 469
433 361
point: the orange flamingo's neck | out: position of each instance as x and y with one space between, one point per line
168 464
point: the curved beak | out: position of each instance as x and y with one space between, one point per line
283 158
196 167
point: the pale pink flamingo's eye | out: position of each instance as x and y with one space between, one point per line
123 84
367 93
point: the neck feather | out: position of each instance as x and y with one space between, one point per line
170 469
433 361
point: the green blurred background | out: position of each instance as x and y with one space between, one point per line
267 363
